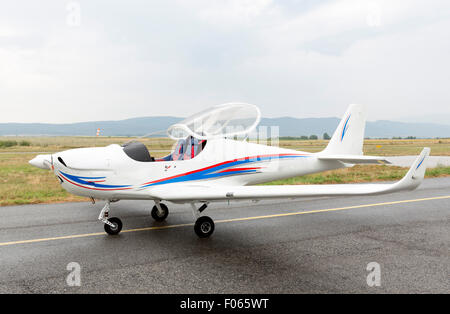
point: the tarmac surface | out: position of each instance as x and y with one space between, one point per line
314 245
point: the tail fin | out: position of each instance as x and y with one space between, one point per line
349 135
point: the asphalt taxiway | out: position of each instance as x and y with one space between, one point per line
314 245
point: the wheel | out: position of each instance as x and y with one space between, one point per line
157 216
117 226
204 227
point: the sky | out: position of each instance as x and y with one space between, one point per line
70 61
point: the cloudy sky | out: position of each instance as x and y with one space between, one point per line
68 61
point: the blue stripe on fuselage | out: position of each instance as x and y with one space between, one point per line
82 180
212 172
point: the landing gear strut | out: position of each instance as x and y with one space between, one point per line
160 211
204 225
113 225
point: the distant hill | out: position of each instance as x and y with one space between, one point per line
288 127
128 127
375 129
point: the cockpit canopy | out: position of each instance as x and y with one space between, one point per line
227 120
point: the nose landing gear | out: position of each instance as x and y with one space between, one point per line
113 225
116 226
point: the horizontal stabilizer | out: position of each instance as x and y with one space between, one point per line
199 193
356 159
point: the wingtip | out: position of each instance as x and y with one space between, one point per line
417 170
416 173
420 160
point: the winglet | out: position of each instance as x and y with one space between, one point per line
416 173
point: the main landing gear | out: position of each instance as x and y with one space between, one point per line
160 211
204 225
113 225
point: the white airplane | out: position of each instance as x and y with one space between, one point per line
209 164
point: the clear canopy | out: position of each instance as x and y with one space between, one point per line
227 120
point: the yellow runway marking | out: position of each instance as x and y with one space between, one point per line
227 220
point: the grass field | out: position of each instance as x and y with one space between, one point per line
439 147
21 183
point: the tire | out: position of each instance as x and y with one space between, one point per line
204 227
113 231
158 217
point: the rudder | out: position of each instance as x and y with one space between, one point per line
349 136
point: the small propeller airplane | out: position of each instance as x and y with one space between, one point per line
210 164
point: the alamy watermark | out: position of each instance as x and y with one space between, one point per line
73 279
374 276
73 17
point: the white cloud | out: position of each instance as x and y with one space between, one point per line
230 12
175 57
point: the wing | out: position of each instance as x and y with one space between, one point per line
193 193
356 159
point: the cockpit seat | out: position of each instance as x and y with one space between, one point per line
178 152
185 149
191 148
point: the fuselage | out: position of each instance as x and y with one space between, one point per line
109 173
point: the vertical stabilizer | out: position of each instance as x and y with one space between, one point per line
349 135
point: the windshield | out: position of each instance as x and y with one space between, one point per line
225 120
137 151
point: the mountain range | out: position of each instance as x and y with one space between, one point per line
288 126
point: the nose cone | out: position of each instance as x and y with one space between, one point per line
41 161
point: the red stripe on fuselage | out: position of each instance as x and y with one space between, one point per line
239 169
220 164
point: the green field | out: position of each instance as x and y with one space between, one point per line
439 147
21 183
